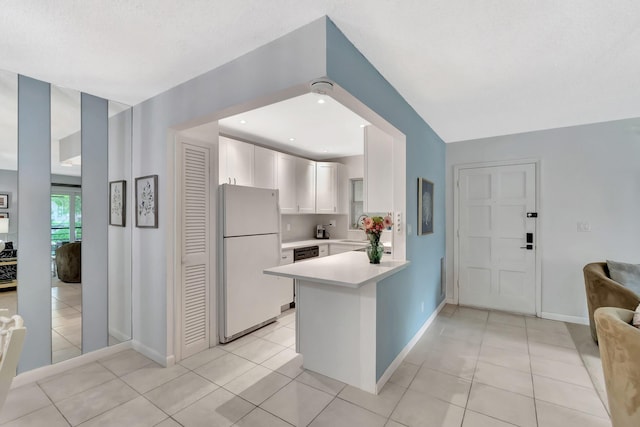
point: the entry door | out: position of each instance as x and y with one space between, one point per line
496 269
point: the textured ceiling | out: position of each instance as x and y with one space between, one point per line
470 68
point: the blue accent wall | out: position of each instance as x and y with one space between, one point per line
399 297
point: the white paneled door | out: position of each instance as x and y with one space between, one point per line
194 220
496 238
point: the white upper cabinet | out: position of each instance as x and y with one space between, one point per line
327 187
223 176
378 170
286 172
265 171
236 161
306 185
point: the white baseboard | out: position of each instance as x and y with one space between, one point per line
49 370
152 354
171 360
565 318
407 348
120 336
451 301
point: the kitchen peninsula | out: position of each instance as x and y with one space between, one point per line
336 319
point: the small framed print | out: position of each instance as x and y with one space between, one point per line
118 203
147 201
425 207
4 201
4 214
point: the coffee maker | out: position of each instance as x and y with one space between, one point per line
321 232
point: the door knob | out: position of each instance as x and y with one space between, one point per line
529 245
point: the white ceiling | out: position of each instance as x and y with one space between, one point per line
302 126
470 68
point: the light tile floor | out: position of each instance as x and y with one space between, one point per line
472 368
66 320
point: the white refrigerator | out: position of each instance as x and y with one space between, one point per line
250 224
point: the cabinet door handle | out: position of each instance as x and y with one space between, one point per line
234 181
334 209
298 208
229 180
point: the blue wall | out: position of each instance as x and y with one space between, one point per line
399 297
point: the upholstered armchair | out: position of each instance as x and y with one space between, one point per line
604 292
620 355
69 262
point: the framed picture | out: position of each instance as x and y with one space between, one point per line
118 203
147 201
4 201
425 207
4 214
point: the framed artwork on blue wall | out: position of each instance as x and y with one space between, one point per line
425 207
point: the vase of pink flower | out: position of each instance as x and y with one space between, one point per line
373 226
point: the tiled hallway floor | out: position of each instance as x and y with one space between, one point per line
472 368
66 318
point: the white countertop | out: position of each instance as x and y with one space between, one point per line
316 242
350 269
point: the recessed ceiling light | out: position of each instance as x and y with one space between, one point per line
321 101
292 139
243 122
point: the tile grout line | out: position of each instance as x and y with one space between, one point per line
475 368
533 387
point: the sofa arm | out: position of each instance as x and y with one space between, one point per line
604 292
620 352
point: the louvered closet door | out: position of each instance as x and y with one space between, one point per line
195 227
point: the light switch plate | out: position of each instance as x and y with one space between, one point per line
397 222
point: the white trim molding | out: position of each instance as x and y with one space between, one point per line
57 368
165 361
565 318
400 357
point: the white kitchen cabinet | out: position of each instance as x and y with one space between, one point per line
285 287
326 187
286 172
323 250
286 257
305 183
378 170
265 170
236 162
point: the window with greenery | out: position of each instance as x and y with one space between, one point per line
66 217
356 201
